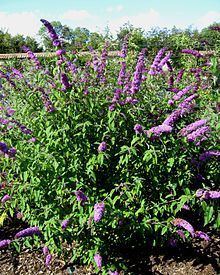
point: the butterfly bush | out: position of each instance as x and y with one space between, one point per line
90 141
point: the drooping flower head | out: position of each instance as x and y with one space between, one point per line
205 194
99 209
5 198
192 52
208 154
158 130
80 196
48 260
4 243
98 260
192 127
28 232
138 128
64 224
45 250
184 224
202 235
102 147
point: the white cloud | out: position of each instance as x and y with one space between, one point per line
77 15
117 8
26 23
207 19
145 20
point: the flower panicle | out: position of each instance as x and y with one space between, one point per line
28 232
99 209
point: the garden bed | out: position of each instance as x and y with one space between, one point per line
198 258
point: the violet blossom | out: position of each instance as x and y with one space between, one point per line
4 243
124 49
3 147
102 147
185 103
28 232
137 78
32 56
192 52
99 209
5 198
65 81
204 194
158 130
202 235
154 69
192 127
173 117
181 93
64 224
198 133
180 75
138 128
208 154
51 32
186 225
45 250
98 260
80 196
122 74
48 260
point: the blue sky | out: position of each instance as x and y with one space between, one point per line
23 16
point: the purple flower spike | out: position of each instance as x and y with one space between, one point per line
4 243
65 81
12 152
5 198
51 32
60 52
45 250
186 225
197 133
102 147
208 154
202 235
3 147
138 128
181 234
158 130
64 224
192 52
48 260
183 92
173 117
98 260
186 207
99 209
192 127
80 196
204 194
28 232
113 272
